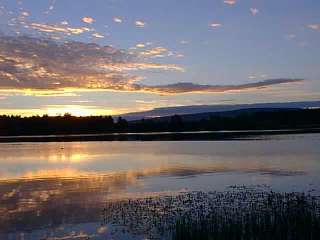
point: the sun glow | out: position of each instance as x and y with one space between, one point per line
59 110
77 110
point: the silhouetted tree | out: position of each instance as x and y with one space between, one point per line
68 124
122 124
176 123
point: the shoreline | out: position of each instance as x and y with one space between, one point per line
159 136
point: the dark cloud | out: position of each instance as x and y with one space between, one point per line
42 64
191 87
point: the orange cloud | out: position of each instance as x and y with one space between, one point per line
88 20
131 66
41 64
154 52
140 45
57 28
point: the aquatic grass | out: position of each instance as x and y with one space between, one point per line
279 216
242 213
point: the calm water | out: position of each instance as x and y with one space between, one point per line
57 190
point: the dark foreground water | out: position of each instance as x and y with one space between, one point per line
58 191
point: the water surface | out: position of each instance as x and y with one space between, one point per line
57 190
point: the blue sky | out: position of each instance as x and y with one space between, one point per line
161 53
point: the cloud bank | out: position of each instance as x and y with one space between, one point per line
186 87
42 64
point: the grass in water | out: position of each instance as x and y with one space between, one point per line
279 216
239 214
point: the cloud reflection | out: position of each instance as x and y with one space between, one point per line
60 193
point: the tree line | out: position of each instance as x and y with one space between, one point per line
68 124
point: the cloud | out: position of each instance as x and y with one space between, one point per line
184 87
25 14
154 52
140 24
121 67
51 7
145 51
254 11
230 2
47 28
215 25
88 20
117 20
97 35
314 26
41 64
184 42
140 45
34 64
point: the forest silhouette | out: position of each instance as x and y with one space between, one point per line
247 120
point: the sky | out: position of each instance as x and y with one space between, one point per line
108 57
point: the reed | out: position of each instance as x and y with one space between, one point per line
279 216
239 214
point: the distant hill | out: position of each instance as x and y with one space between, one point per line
207 115
195 111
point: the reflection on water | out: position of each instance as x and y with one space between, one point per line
57 190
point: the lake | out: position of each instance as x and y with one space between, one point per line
57 190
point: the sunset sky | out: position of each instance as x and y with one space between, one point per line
92 57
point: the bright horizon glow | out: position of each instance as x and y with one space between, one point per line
74 110
77 110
